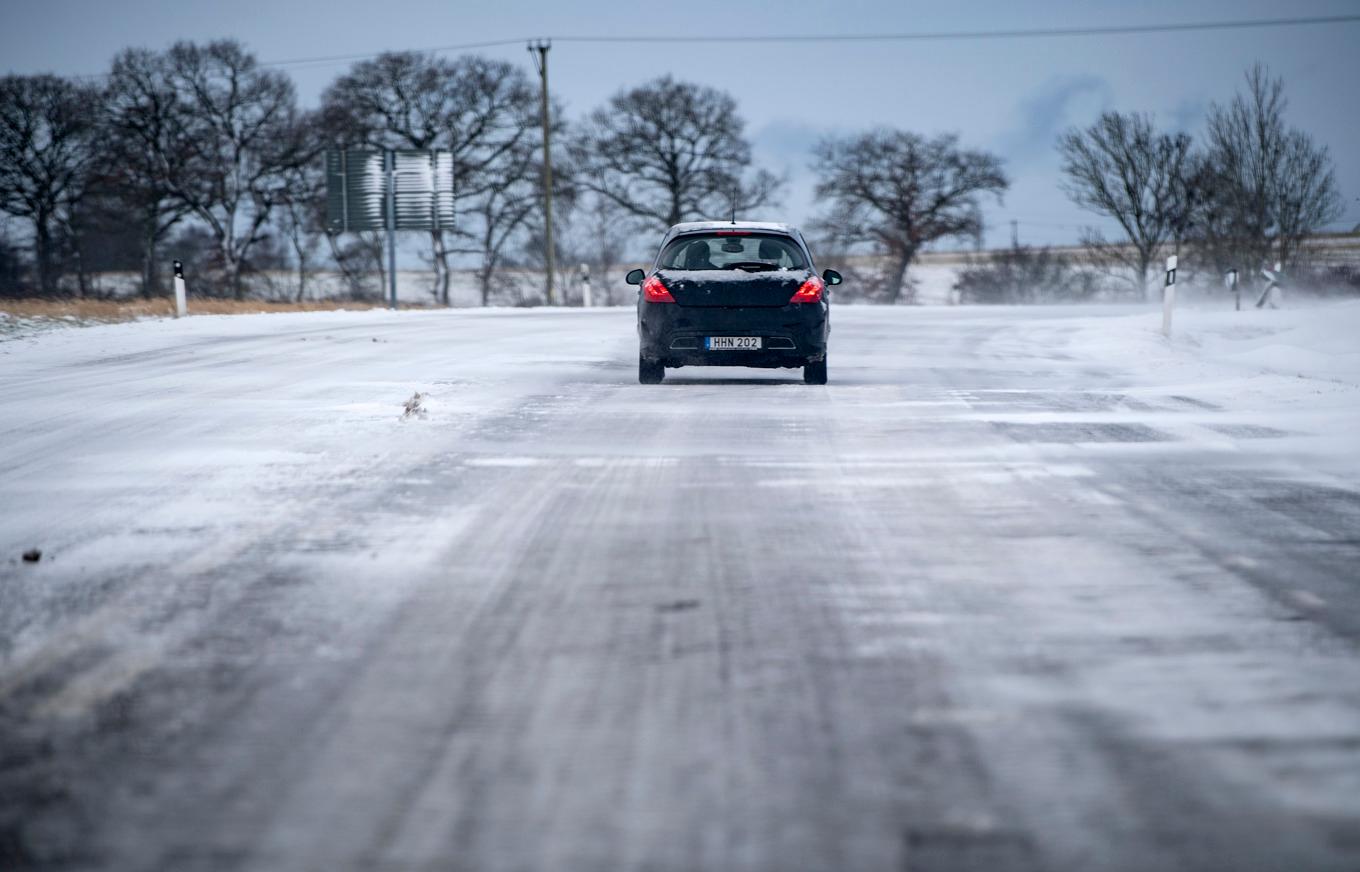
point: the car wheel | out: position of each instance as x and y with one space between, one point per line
814 372
650 372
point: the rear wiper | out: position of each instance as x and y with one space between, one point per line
752 266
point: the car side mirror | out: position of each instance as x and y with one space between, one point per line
635 277
832 277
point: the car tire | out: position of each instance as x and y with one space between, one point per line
650 372
814 372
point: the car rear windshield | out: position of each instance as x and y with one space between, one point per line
728 250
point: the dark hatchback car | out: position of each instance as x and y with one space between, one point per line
733 294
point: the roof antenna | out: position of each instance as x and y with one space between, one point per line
734 204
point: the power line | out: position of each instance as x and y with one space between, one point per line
922 36
335 59
331 59
984 34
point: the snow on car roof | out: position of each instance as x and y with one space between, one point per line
695 226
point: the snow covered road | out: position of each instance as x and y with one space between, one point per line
1020 589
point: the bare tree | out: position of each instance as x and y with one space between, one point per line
481 110
1022 274
668 151
240 135
302 216
504 209
899 191
358 259
1123 168
147 150
1265 186
48 131
511 221
596 235
11 265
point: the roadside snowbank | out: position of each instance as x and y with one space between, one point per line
1291 376
1225 352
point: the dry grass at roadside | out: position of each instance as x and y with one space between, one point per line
25 318
128 310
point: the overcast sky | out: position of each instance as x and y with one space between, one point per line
1010 96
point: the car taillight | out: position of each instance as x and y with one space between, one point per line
653 291
810 291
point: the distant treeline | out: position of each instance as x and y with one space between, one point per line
202 153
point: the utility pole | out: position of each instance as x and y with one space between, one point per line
1015 233
541 61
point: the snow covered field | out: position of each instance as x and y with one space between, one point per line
1291 376
1021 588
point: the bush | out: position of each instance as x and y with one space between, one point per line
1336 280
1022 274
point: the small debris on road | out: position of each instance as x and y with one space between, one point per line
413 407
678 606
32 555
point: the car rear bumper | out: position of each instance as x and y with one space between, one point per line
791 335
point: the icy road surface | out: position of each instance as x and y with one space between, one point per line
1020 589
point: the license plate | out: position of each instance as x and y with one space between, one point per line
732 343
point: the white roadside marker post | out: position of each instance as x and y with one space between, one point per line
1169 295
1230 279
181 299
1270 296
585 285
